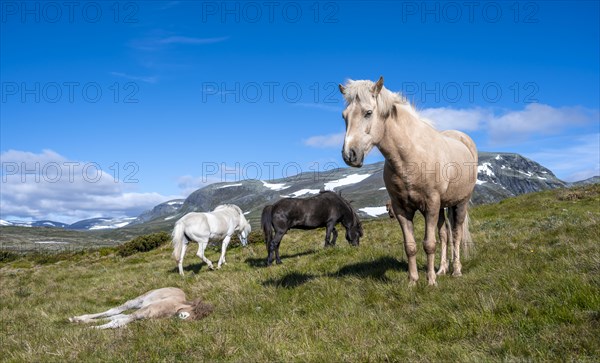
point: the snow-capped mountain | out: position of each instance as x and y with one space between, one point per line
43 223
499 176
161 210
101 223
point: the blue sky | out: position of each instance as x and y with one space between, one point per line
161 91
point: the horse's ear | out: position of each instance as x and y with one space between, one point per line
342 89
377 86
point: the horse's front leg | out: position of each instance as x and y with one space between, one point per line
223 250
201 248
328 231
443 229
405 218
431 222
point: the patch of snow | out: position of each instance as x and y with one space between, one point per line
122 223
274 186
49 224
230 185
498 157
170 217
384 188
53 242
175 202
350 179
485 168
479 182
246 213
544 172
5 223
540 178
374 211
93 228
302 192
525 173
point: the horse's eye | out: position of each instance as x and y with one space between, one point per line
368 113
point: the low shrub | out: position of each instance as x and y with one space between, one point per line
143 244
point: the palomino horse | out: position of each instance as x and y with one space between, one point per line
325 209
220 224
425 169
159 303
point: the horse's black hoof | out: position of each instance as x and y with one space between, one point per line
278 262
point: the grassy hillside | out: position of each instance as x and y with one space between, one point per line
530 291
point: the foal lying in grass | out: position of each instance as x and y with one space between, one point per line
159 303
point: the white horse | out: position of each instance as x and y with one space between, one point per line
220 224
159 303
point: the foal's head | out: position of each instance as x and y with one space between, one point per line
194 310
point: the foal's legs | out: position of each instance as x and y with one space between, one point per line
444 242
202 243
89 318
223 250
335 235
460 213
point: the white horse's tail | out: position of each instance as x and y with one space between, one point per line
467 241
178 237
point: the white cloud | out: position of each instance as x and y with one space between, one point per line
190 40
147 79
538 119
578 161
163 40
49 186
458 119
326 141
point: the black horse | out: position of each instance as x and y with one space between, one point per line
325 209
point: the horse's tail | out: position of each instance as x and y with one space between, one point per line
467 241
178 237
266 220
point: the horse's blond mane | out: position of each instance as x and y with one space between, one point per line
386 100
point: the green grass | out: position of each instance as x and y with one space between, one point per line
529 292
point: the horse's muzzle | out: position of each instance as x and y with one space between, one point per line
353 158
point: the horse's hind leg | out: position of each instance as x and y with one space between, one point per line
201 248
223 250
180 262
460 214
442 231
274 248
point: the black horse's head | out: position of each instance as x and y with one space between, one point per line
354 232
